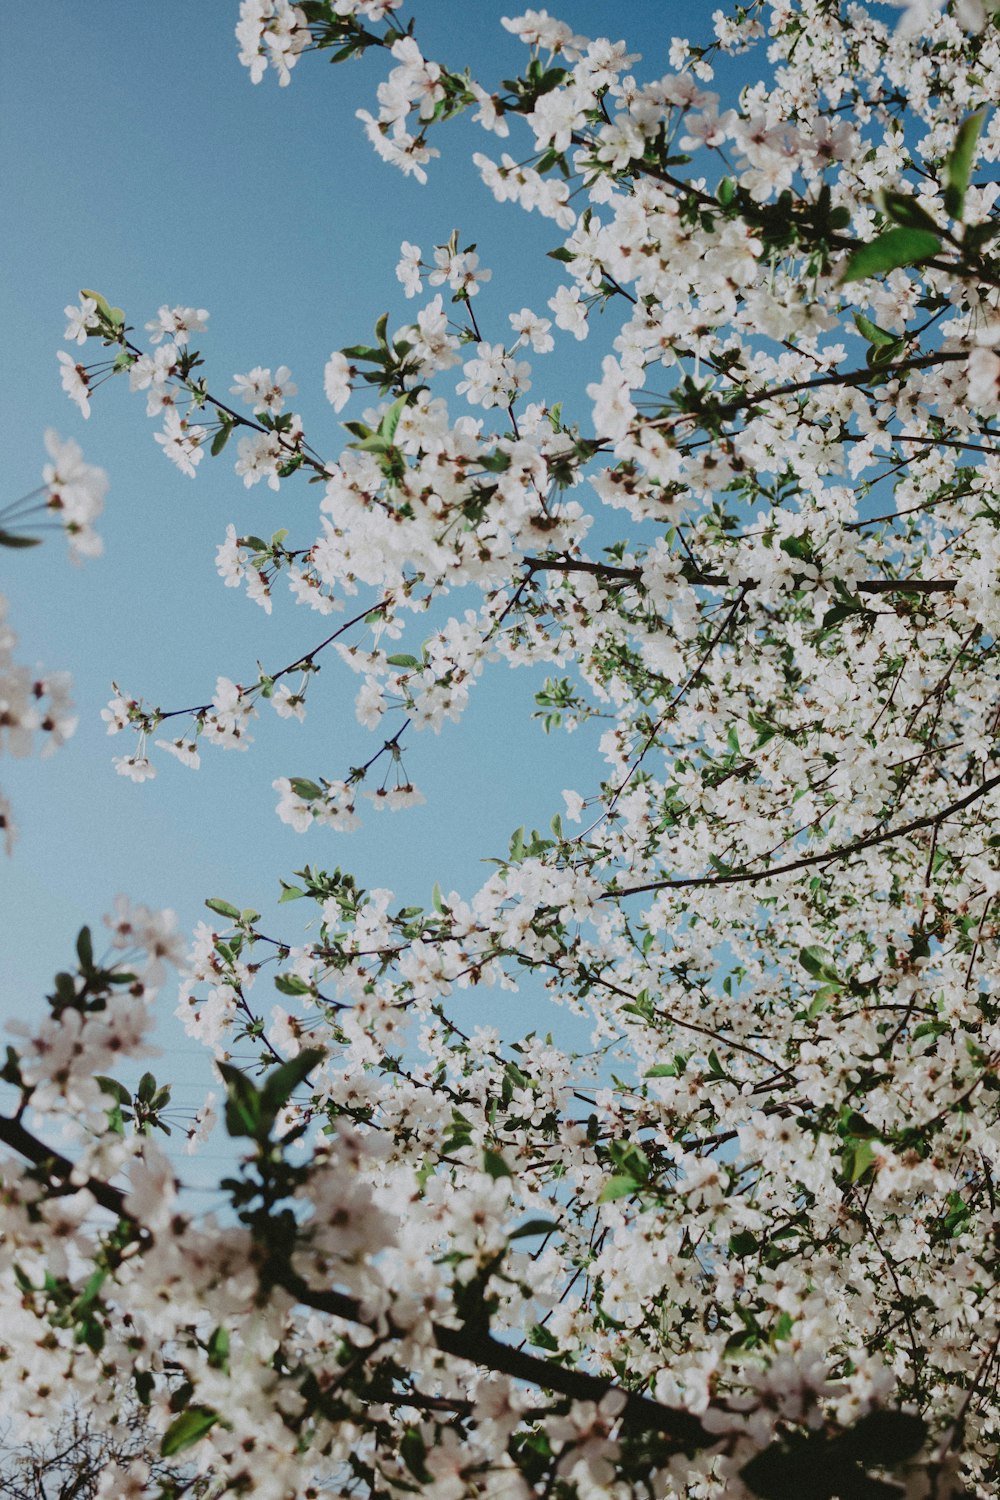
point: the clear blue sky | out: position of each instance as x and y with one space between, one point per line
137 158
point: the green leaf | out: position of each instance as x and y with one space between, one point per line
894 248
403 660
221 438
186 1429
819 963
8 539
905 209
290 892
958 167
857 1160
871 331
618 1187
533 1227
224 908
85 948
494 1164
281 1082
541 1337
243 1102
111 1086
218 1349
726 191
883 1438
291 984
306 789
389 423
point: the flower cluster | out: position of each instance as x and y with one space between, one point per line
733 1221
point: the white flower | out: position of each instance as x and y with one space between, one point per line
75 382
408 269
532 329
180 442
229 563
80 320
186 751
286 704
337 380
135 767
176 323
570 311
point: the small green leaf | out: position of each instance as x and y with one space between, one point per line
905 209
533 1227
280 1083
221 439
858 1159
186 1429
85 948
618 1187
218 1349
894 248
9 539
871 331
243 1102
819 963
306 789
290 892
402 660
389 423
111 1086
541 1337
291 984
958 167
494 1164
224 908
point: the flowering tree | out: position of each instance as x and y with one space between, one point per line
748 1244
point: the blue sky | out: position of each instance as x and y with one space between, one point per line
138 159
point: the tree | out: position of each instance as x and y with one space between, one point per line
749 1243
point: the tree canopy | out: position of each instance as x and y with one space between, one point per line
748 1242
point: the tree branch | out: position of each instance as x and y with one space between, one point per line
930 820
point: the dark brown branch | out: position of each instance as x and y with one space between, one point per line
715 580
477 1347
844 851
640 1412
14 1134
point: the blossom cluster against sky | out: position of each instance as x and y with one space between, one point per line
139 161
